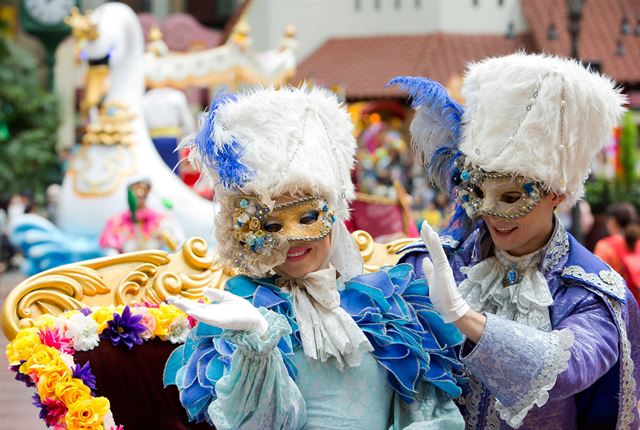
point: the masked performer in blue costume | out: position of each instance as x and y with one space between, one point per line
303 339
552 333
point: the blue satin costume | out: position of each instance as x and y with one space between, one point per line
239 380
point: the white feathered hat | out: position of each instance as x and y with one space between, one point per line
269 143
539 116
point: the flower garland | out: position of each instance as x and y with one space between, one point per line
42 357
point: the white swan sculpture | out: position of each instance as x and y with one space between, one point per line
94 187
117 146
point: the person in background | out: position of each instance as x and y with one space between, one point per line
621 249
168 118
6 250
140 227
53 197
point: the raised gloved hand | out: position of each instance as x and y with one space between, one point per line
226 311
443 290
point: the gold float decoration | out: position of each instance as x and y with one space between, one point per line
142 276
376 255
135 277
114 126
82 27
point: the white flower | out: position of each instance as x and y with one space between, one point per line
108 421
179 330
83 332
68 360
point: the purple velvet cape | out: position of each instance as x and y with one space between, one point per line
597 390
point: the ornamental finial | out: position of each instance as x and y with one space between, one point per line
82 26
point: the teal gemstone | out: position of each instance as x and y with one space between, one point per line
244 203
465 175
528 187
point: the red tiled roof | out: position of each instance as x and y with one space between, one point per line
599 33
364 65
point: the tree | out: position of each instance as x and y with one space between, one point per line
628 153
625 187
28 125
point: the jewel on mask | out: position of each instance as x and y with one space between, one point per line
528 187
243 219
503 195
306 219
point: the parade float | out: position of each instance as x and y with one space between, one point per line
382 206
117 147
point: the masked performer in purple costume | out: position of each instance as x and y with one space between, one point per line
306 340
552 333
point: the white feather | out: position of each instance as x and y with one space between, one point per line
269 124
497 92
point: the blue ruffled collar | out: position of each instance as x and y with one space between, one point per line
392 308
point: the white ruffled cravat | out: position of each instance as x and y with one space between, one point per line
327 331
526 301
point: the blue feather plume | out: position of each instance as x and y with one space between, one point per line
223 158
436 131
436 127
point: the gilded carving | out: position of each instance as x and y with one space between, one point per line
143 276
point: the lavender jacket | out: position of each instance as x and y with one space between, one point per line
544 380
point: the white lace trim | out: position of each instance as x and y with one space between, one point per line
526 302
556 361
628 401
608 281
557 248
472 402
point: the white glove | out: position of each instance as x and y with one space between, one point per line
443 290
226 311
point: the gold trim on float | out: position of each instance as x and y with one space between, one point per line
376 255
142 276
232 77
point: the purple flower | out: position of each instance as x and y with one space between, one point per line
38 404
85 311
125 329
21 376
84 373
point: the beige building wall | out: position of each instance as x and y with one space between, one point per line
319 20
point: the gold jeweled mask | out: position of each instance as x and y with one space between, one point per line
260 229
502 195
